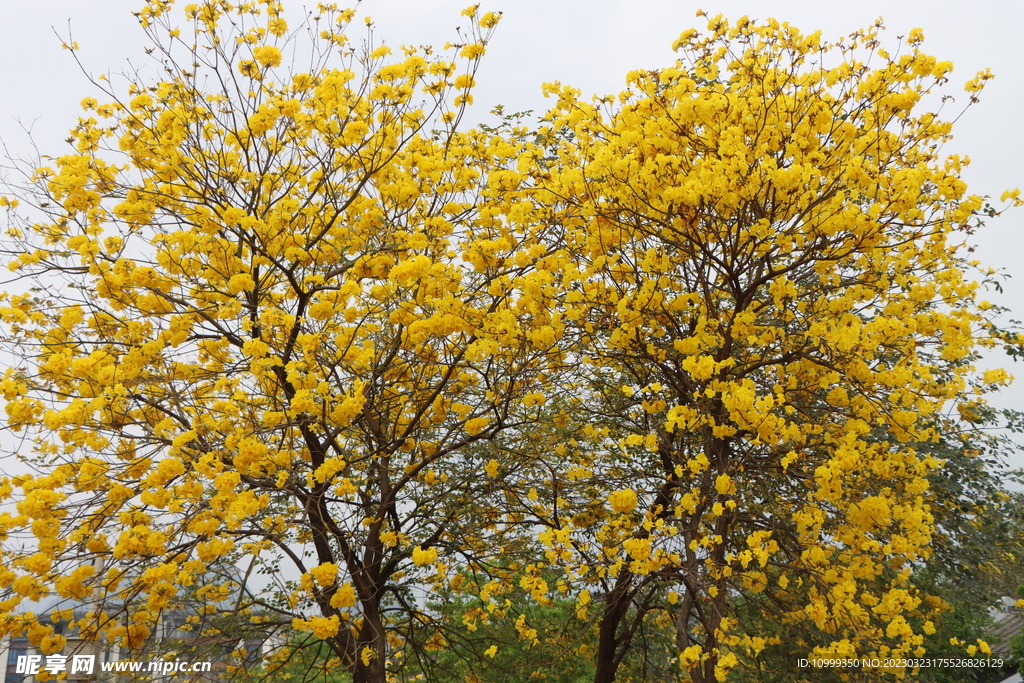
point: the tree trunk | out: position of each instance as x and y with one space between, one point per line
609 654
371 635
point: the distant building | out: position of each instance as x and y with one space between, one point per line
1009 622
173 651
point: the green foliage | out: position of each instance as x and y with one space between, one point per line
516 644
306 660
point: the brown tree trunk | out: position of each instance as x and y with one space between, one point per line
609 652
371 634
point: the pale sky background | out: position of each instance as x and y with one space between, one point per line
590 44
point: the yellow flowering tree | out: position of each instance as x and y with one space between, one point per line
681 361
762 269
262 306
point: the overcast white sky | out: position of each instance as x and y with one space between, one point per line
590 44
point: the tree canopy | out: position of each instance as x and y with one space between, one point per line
661 383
